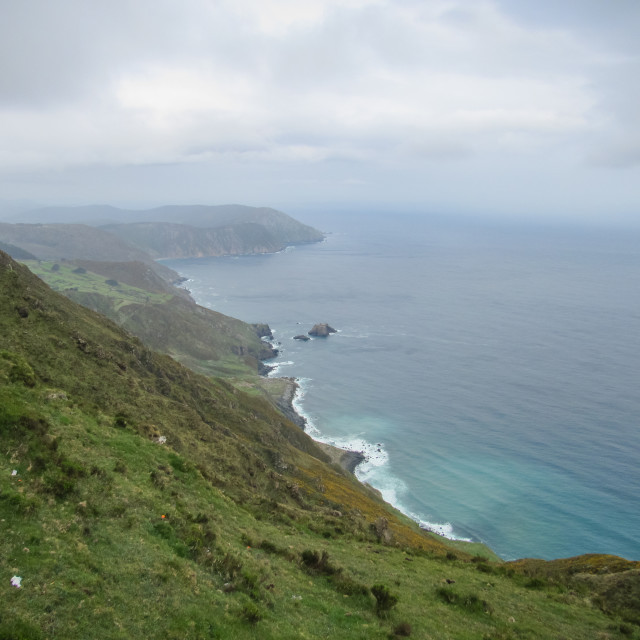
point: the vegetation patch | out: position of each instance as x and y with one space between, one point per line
470 602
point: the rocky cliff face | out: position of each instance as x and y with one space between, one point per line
167 240
282 226
185 230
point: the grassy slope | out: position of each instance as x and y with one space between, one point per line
76 241
205 340
244 493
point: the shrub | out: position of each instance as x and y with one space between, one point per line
58 484
72 469
251 612
200 539
348 586
385 600
403 630
484 567
228 566
20 503
535 583
623 628
318 563
20 371
246 540
470 602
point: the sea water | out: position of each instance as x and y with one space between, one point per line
490 373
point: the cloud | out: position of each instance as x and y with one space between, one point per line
262 84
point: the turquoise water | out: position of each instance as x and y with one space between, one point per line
490 373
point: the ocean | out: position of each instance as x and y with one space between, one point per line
489 372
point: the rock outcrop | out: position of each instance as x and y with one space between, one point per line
301 337
263 330
321 330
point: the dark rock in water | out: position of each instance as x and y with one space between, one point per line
321 330
301 337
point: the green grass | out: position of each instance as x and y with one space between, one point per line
62 276
205 341
260 537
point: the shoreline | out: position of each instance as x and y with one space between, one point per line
344 458
349 460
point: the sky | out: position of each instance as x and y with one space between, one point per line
514 108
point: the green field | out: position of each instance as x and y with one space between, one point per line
65 277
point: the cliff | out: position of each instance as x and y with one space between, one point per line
182 230
167 240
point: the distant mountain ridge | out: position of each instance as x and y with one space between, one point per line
170 240
173 231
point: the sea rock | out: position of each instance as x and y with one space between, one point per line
321 330
301 337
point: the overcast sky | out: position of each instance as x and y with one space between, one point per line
509 107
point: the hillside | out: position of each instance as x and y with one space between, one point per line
238 228
164 317
285 228
56 241
169 240
16 252
138 498
76 241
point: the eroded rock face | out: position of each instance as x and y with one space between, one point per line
263 330
321 330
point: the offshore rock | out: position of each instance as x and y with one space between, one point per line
321 330
301 337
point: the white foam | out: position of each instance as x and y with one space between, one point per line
444 529
373 470
296 403
276 366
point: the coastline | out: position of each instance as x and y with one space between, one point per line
348 460
344 458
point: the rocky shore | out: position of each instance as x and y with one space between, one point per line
348 460
285 403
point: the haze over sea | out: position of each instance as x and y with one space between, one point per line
490 372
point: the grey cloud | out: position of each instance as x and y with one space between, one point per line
151 89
